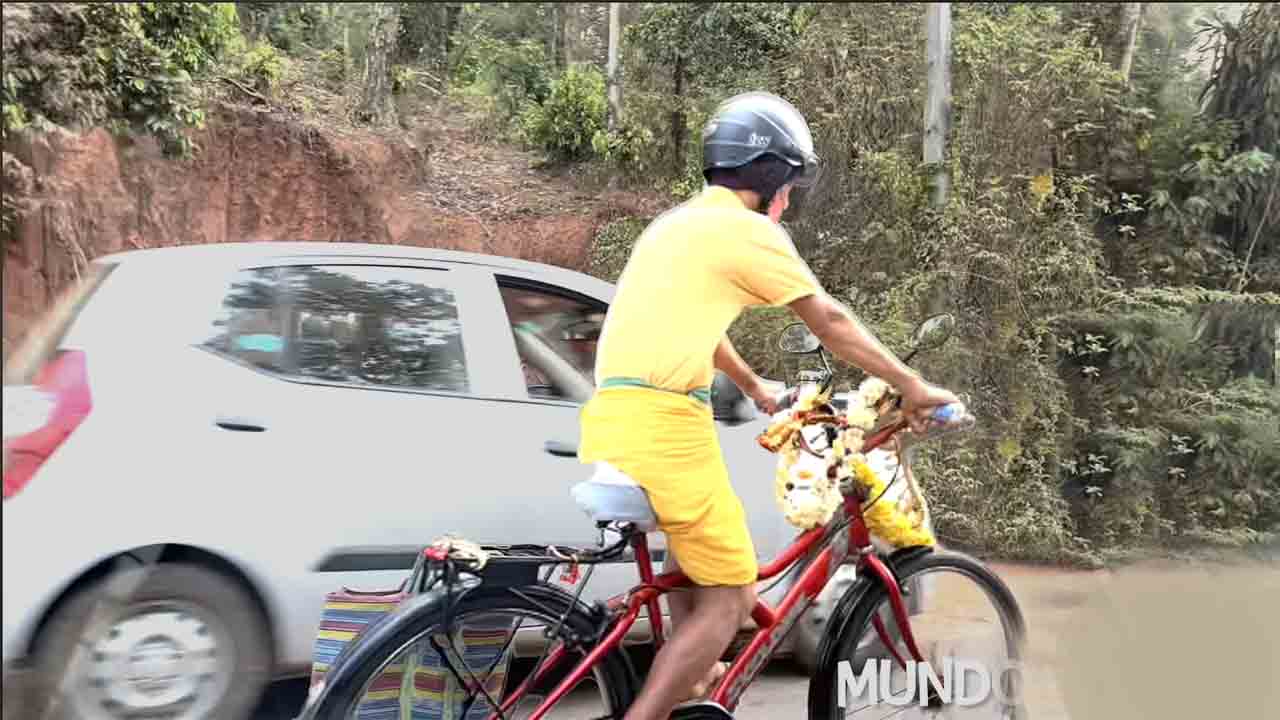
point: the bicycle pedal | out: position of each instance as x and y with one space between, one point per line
704 710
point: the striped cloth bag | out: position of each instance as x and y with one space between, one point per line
418 685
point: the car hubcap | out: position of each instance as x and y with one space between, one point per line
162 661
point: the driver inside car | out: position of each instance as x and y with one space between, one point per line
692 272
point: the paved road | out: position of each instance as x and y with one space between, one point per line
1168 641
781 693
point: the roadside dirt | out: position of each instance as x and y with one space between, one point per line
268 175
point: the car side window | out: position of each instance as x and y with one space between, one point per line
553 331
356 324
250 325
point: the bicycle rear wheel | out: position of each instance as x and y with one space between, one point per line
494 638
969 619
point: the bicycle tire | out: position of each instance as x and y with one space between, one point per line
823 687
350 675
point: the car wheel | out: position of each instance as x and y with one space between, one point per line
172 641
808 632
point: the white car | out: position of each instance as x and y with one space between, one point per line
200 442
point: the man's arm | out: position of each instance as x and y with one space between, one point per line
731 363
843 335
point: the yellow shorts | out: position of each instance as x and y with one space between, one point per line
667 443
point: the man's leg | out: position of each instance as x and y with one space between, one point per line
704 635
681 603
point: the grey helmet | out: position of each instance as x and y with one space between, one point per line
753 124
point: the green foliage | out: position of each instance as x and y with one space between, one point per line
514 74
262 66
629 149
565 125
1097 246
496 69
423 33
124 64
290 26
687 57
1191 208
717 41
1053 93
196 34
612 246
1177 393
334 64
1164 79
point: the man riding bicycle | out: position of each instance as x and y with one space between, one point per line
690 275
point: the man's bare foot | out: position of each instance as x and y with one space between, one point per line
702 687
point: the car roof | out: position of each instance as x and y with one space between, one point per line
248 253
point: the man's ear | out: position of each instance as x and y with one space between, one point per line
779 204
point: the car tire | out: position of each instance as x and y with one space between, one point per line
156 633
809 630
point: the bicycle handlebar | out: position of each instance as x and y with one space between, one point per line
953 417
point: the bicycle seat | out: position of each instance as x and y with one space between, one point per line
610 495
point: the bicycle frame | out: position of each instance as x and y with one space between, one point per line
832 545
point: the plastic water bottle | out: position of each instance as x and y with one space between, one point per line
950 418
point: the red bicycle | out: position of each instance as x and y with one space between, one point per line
491 604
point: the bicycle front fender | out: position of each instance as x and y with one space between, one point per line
828 650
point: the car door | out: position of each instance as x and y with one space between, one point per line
350 400
542 341
568 319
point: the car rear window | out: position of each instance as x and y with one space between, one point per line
44 337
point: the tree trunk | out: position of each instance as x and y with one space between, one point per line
677 116
452 12
615 38
937 108
600 35
558 20
1126 40
346 50
376 104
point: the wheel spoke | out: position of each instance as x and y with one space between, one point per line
474 663
970 618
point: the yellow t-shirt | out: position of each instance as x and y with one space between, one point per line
690 275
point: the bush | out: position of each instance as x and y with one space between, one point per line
334 64
516 74
139 81
510 76
262 66
568 121
612 246
629 148
195 33
116 63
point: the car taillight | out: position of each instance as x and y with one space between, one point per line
39 417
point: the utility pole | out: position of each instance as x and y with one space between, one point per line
937 108
615 39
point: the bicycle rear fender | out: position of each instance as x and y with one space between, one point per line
827 650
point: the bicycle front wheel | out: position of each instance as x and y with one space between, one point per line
422 664
970 633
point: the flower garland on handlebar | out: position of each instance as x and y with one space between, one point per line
818 448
